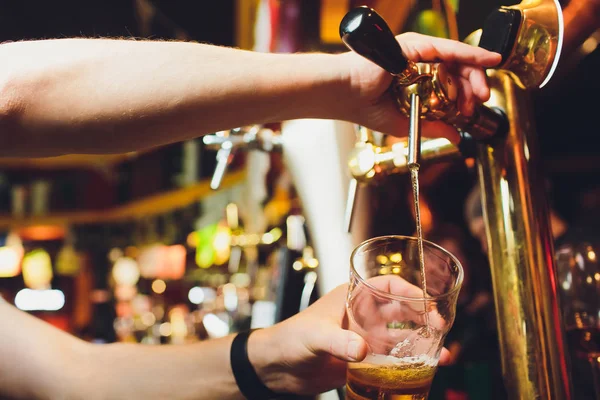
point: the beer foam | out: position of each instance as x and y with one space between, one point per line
381 359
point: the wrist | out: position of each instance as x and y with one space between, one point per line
299 86
329 83
265 356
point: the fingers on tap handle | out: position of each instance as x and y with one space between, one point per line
365 32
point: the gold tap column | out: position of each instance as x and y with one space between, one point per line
520 244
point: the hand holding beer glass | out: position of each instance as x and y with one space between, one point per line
403 328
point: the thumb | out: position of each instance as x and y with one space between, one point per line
343 344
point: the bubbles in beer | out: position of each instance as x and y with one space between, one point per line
382 377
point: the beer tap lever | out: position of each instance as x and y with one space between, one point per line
223 160
366 33
350 204
366 140
245 138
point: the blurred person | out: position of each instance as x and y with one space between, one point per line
106 96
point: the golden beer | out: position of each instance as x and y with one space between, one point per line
398 381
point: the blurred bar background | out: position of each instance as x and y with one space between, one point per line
139 248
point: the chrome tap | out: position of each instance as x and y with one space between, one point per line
370 162
226 143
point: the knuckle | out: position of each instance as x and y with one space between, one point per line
409 35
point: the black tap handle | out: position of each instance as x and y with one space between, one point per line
500 31
364 31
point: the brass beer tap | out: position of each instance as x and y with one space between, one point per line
370 161
428 84
529 38
244 138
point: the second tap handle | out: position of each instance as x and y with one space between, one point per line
235 258
414 131
366 33
310 280
222 162
350 204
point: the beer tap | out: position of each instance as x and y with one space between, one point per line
427 90
422 90
371 161
298 266
226 143
362 164
428 86
529 38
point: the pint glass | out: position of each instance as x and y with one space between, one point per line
403 326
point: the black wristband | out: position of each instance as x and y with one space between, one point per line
245 376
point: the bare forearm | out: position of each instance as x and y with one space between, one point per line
97 96
38 361
125 371
199 371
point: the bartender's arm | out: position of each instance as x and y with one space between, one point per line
105 96
304 354
41 362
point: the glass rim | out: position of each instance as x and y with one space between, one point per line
457 286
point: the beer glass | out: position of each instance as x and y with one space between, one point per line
403 325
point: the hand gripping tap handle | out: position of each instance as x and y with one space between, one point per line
366 33
363 136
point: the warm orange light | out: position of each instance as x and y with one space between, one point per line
132 251
10 261
174 265
159 286
123 309
125 293
178 324
126 272
222 244
42 232
68 262
426 217
151 260
37 269
591 255
192 240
